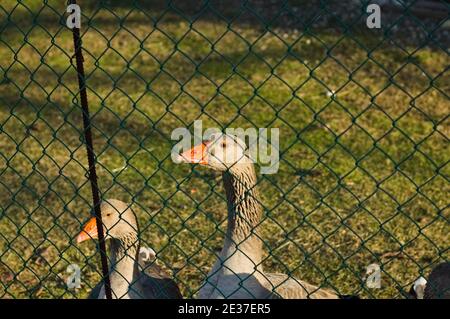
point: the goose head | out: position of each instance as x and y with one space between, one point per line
221 152
118 220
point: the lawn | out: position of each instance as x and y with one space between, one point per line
364 146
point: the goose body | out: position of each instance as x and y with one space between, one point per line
438 284
436 287
154 283
238 271
128 280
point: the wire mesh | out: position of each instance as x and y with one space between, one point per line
362 114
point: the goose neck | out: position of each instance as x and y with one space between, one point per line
244 210
123 269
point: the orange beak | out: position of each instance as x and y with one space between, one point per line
197 154
89 231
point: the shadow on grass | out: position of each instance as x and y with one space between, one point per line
309 18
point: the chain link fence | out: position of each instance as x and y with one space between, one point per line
363 116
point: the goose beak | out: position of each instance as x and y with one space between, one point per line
197 154
89 231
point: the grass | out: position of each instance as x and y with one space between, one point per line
364 172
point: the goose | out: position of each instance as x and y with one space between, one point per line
436 287
128 279
238 273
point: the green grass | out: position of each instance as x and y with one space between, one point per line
359 183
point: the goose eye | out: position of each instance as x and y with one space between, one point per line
109 214
224 145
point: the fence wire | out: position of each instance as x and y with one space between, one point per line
363 116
